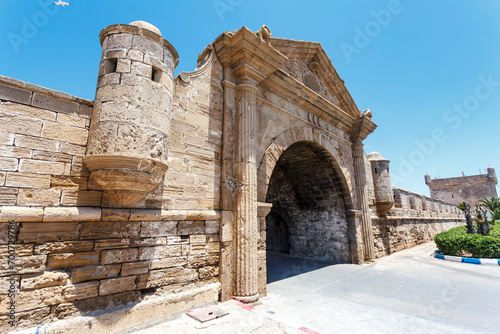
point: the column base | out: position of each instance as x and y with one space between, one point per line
247 299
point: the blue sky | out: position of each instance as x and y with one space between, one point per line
429 70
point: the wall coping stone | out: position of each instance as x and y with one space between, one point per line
42 90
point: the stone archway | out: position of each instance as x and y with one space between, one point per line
309 208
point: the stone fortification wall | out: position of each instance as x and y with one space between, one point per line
414 219
470 189
75 254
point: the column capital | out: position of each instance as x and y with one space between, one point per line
250 57
361 128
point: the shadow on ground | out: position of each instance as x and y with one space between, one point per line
282 266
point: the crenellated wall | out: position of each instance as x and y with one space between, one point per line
414 219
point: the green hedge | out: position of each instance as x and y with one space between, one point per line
457 242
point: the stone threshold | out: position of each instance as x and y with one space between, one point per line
135 317
59 214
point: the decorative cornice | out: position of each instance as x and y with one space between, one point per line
294 91
362 127
250 57
187 76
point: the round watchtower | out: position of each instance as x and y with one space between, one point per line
427 178
127 151
384 197
492 174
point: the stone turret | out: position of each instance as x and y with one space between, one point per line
427 178
384 197
492 174
128 144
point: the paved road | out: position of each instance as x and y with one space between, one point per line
407 292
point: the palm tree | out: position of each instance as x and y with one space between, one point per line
493 206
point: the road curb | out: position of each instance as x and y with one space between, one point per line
471 260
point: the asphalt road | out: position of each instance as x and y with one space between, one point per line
407 292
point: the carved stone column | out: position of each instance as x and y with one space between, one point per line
245 201
248 60
361 194
362 127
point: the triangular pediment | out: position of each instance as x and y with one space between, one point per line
309 64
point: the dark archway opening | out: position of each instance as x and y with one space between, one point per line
308 219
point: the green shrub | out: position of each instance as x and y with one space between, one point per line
458 242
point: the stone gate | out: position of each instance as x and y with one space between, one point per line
158 193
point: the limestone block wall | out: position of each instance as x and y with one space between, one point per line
414 219
76 255
43 137
74 261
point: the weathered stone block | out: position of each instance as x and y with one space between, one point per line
81 291
39 197
71 120
209 271
119 255
6 138
70 260
43 280
20 124
178 240
41 232
4 234
71 214
197 239
158 252
27 180
51 156
9 164
24 265
29 111
68 182
94 272
111 243
135 268
167 263
162 277
158 229
191 227
197 249
72 149
54 103
197 261
41 167
8 196
15 152
19 249
34 299
213 247
115 214
145 242
64 247
36 143
81 198
107 230
66 133
212 226
15 94
115 285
